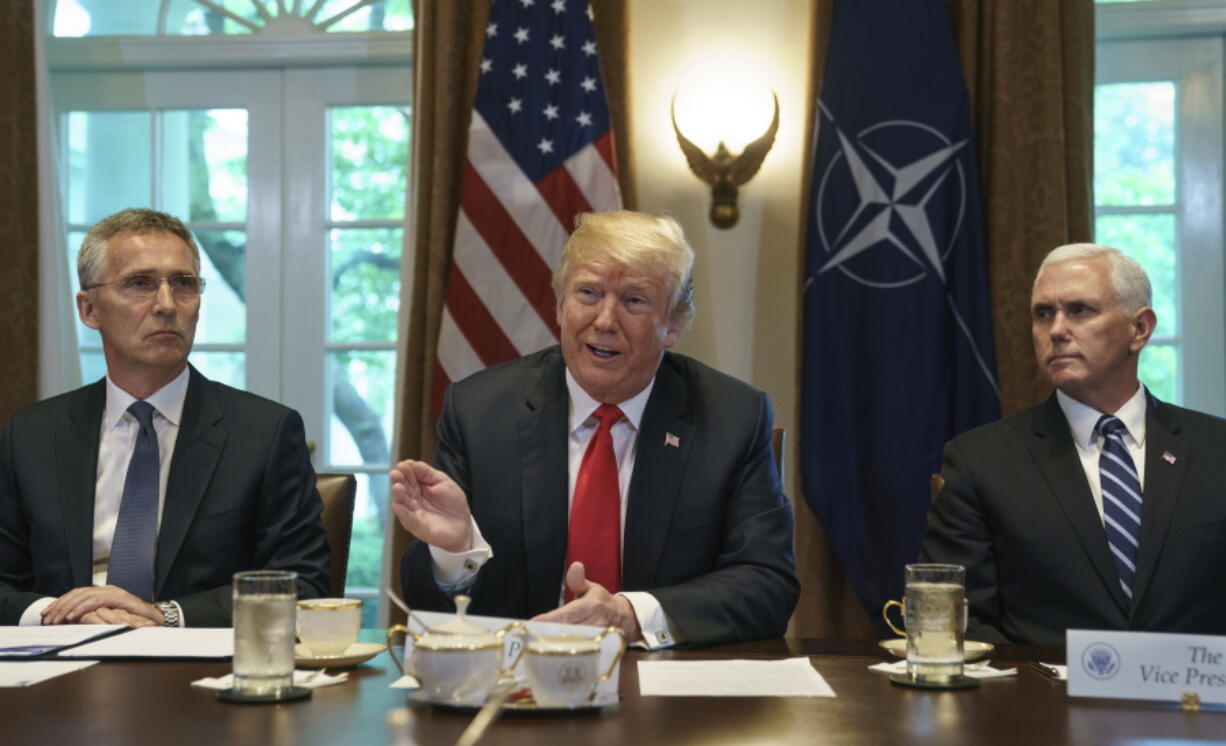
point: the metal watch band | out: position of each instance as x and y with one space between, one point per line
170 613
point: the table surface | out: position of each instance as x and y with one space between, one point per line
151 702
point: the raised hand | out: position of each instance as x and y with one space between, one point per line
431 506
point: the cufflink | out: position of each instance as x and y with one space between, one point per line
661 637
470 565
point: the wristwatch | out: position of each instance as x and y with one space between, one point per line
170 612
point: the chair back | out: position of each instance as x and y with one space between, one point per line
936 483
337 492
778 443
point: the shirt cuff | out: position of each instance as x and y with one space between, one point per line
455 571
657 629
33 615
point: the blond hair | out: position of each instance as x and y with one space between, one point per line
651 246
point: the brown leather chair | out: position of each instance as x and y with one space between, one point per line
936 483
338 492
778 443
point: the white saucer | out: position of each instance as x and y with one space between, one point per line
972 650
358 652
526 704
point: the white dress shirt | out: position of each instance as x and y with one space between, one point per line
1081 420
115 448
456 570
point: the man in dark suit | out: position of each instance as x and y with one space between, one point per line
1046 508
694 542
135 499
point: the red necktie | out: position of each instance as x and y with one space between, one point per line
595 512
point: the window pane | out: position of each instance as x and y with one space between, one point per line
1134 144
229 368
204 164
381 15
1149 239
223 308
369 515
190 17
361 416
369 155
364 271
108 163
1159 370
105 17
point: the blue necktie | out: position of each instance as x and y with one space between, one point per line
1121 499
131 564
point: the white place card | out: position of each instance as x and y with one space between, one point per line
1146 665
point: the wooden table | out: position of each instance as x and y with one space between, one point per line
152 703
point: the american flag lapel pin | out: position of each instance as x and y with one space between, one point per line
1168 457
672 440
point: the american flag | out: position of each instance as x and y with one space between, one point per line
540 151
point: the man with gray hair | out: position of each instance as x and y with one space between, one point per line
134 500
607 480
1101 508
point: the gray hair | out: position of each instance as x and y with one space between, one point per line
1128 279
651 246
136 220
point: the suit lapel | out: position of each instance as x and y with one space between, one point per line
197 450
1055 454
1160 494
76 459
655 486
544 485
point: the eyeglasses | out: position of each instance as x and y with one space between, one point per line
143 287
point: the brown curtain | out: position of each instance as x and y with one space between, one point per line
447 48
19 221
1029 69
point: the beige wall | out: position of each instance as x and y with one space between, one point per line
746 276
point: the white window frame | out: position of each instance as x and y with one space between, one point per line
1182 41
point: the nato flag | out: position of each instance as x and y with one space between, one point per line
898 353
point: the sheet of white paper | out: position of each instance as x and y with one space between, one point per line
25 673
160 642
36 640
791 677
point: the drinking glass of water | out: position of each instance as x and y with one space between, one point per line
264 603
934 613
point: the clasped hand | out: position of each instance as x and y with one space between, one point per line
102 604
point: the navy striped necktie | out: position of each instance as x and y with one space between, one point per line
131 563
1121 488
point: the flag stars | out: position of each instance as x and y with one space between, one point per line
521 34
559 6
589 84
515 105
491 30
589 47
553 77
557 42
528 3
520 71
486 65
550 112
545 146
584 119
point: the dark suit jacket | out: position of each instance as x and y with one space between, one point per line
240 496
1018 513
708 528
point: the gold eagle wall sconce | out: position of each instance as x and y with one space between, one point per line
724 172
